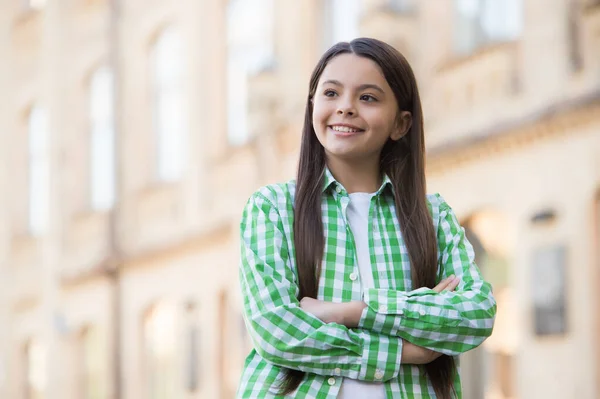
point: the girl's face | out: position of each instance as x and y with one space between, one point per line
354 109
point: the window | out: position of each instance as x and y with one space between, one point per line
39 171
481 22
489 368
160 342
2 374
92 365
402 5
193 347
35 4
170 106
250 49
35 370
102 159
224 362
342 19
596 265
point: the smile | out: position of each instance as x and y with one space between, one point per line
345 129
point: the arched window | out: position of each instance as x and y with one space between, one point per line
341 21
35 4
160 344
92 364
192 348
596 265
488 370
39 171
36 377
169 105
481 22
402 5
250 49
102 140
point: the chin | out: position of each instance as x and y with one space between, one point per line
342 153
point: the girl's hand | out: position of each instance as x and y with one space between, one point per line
330 312
348 313
448 284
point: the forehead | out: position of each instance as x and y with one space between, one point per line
352 70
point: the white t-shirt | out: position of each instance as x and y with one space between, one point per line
357 214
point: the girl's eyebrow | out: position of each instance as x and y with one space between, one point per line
361 87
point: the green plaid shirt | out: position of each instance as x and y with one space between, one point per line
285 336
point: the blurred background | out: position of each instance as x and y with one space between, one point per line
132 132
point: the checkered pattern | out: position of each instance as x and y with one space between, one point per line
285 336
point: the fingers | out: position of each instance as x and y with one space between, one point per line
449 284
453 284
438 288
443 284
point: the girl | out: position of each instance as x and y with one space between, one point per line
339 267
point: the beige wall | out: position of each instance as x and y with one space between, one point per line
511 128
560 173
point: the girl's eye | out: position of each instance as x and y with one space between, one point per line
367 98
329 93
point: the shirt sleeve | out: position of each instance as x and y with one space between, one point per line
284 334
447 322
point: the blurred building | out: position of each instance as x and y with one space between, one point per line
132 132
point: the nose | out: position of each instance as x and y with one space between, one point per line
345 110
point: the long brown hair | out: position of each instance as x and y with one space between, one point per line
403 161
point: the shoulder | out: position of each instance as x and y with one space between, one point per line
437 205
277 196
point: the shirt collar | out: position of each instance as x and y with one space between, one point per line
329 181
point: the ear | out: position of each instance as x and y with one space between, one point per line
402 125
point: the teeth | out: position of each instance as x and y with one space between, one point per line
344 129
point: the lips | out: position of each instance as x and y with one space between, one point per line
345 129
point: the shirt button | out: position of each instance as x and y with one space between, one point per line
353 276
422 312
338 189
331 381
383 309
337 371
378 374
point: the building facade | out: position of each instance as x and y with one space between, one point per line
133 132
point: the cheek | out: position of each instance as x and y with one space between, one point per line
381 122
319 117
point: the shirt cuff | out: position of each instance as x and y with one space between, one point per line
387 311
381 303
381 357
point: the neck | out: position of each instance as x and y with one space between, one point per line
357 176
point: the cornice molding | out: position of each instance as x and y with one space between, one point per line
557 120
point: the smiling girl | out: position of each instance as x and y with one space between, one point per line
356 283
